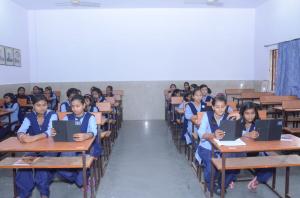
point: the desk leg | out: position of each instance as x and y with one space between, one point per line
287 181
9 121
223 177
14 178
212 181
284 118
84 172
274 179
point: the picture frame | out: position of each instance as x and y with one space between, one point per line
2 55
9 56
17 57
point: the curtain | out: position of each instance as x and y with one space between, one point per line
288 69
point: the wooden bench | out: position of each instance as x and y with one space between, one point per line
51 163
277 161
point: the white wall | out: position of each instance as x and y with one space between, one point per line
141 44
14 33
276 21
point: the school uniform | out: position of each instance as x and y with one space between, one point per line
204 101
190 111
206 98
53 102
14 116
228 109
203 153
92 108
26 180
101 99
87 125
263 174
65 106
181 106
31 96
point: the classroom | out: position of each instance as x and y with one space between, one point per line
149 98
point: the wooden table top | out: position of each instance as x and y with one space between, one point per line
280 108
289 143
268 103
12 144
47 162
27 106
278 161
240 97
4 113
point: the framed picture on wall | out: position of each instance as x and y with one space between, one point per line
17 57
2 55
9 56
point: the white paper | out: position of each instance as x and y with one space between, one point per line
237 142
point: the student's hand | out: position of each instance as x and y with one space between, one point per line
53 132
253 134
79 137
219 134
234 115
24 138
194 118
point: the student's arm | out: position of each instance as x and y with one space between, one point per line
188 114
181 106
234 115
229 110
26 138
24 127
92 127
13 108
252 134
92 131
63 108
95 109
50 127
202 131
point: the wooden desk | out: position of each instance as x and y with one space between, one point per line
236 92
252 96
268 103
27 106
284 112
293 143
13 145
242 99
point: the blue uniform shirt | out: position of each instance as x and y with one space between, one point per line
14 108
63 106
189 114
205 128
92 125
26 124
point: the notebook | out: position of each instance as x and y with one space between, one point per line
268 129
65 129
233 129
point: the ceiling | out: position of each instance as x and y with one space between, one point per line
51 4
